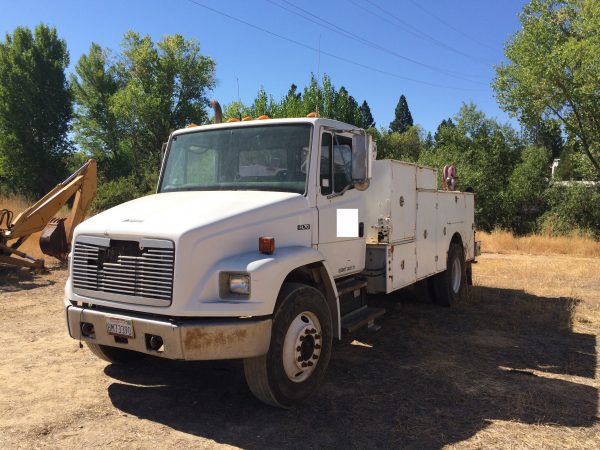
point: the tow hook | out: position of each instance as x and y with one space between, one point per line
87 330
154 342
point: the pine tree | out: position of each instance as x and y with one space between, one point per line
366 118
429 141
402 119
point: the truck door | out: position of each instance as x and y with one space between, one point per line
341 209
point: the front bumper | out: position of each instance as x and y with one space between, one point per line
186 339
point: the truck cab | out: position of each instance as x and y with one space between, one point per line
262 242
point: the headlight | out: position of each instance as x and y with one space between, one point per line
239 284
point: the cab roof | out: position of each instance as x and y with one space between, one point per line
268 122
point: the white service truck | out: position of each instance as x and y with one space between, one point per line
261 243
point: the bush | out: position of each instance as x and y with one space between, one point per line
572 206
114 192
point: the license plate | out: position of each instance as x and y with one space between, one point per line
119 327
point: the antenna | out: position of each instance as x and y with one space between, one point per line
238 97
318 75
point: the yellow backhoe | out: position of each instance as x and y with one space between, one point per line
55 238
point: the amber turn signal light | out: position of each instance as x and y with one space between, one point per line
266 245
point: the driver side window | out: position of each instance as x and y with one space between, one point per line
336 163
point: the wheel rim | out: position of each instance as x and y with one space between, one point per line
456 275
302 347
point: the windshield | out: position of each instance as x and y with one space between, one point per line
266 158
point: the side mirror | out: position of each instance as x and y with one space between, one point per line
360 161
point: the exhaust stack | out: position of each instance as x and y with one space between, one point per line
218 112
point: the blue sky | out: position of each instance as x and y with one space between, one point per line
438 53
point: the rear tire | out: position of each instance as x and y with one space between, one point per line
114 355
450 285
300 349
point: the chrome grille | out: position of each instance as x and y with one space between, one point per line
125 268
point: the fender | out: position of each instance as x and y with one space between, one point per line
267 273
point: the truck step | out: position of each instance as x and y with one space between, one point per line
350 285
361 317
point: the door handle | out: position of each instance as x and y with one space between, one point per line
361 229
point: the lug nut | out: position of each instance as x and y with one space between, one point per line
310 364
317 336
317 346
307 331
298 349
313 331
315 356
301 338
304 364
299 358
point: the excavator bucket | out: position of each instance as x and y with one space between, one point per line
53 240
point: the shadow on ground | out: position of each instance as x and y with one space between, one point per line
14 280
430 377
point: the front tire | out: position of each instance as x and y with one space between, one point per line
450 285
114 355
300 349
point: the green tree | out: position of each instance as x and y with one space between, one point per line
526 187
548 134
35 110
574 165
366 118
405 146
96 126
235 110
553 69
263 105
439 132
312 97
402 116
324 99
429 142
291 105
128 104
346 108
485 154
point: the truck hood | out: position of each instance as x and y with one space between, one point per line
169 215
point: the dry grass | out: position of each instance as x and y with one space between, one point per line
499 241
14 203
547 277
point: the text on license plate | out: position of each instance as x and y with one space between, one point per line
119 327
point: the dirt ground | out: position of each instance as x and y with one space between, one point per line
515 366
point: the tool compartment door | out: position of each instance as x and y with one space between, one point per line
426 238
403 198
402 266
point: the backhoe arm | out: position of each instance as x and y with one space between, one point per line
82 183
